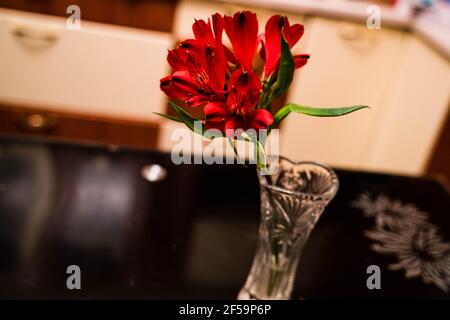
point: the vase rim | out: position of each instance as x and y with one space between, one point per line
324 196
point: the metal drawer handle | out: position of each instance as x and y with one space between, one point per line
37 122
27 33
350 33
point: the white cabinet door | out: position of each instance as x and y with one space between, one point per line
188 10
415 108
99 70
349 65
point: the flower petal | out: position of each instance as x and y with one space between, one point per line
183 83
232 125
242 30
216 67
259 119
192 46
230 56
262 52
244 91
218 25
272 43
203 33
300 60
177 59
244 80
219 125
167 88
292 33
215 111
197 101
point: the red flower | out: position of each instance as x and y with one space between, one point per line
199 66
239 110
242 30
206 73
244 89
271 49
300 60
218 116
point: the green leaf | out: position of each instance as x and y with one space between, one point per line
188 120
261 160
185 117
168 117
311 111
285 71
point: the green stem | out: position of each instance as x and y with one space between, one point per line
275 276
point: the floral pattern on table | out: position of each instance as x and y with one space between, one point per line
404 231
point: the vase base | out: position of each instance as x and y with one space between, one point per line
246 295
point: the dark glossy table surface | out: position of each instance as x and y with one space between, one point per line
191 235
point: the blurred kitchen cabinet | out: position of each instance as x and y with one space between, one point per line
439 164
186 11
147 14
414 111
99 70
349 65
404 81
62 126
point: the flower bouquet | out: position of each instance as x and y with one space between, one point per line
236 98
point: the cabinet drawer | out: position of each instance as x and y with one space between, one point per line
23 121
97 70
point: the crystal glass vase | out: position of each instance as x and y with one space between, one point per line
292 200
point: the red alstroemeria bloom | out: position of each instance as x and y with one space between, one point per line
239 110
199 66
244 90
233 96
206 73
271 48
218 116
300 60
242 30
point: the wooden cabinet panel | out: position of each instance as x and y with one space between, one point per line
439 164
147 14
68 127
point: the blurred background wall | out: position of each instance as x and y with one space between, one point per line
101 83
